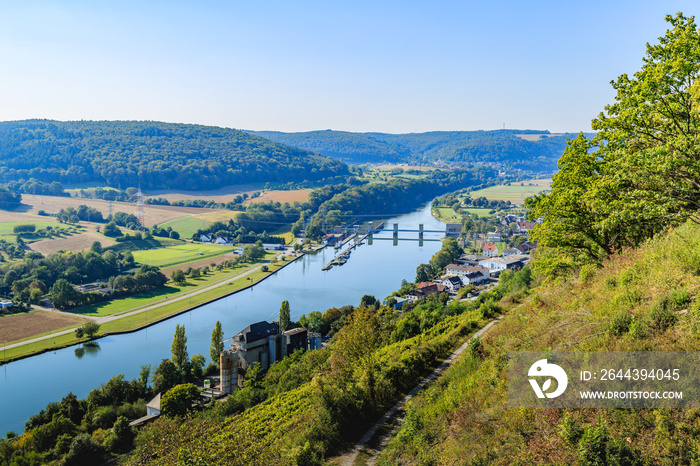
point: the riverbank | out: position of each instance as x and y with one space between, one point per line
144 316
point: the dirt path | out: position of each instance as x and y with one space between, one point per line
370 455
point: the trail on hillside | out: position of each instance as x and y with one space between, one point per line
370 454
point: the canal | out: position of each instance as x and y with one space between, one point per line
28 385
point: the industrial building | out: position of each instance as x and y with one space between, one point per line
261 342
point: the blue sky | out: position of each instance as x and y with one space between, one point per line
392 66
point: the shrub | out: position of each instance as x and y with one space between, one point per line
620 323
587 273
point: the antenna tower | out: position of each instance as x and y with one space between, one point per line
139 207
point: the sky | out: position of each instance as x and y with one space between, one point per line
294 65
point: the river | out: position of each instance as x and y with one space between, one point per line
28 385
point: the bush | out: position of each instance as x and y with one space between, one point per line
620 323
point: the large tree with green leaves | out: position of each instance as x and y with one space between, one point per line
217 342
284 316
641 173
179 347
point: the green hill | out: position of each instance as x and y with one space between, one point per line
643 300
537 150
157 155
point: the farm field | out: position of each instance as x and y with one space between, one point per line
79 242
296 195
224 194
53 204
7 228
180 254
188 226
20 326
514 193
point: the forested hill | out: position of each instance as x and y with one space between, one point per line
157 155
527 149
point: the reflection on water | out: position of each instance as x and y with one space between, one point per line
91 348
375 269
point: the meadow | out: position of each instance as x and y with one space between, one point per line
180 254
516 193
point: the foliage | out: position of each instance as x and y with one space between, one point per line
284 316
159 155
179 347
639 174
217 343
178 400
457 146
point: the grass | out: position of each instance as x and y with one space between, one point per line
167 309
143 244
186 226
7 228
170 291
465 418
179 254
513 193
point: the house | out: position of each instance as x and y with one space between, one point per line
526 247
495 236
525 226
273 247
221 240
473 278
422 293
511 252
5 304
452 282
497 264
262 343
205 238
399 302
153 406
490 250
453 230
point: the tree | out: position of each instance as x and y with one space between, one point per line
179 347
63 294
178 276
368 300
96 247
424 273
285 316
90 329
217 342
111 229
165 376
197 362
178 400
640 174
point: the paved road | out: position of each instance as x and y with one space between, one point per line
139 310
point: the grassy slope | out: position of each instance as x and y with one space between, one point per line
464 419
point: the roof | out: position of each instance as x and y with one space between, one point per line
467 268
454 280
257 331
490 247
294 331
512 251
154 403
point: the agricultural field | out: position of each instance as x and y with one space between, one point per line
188 226
515 193
79 242
180 254
53 204
224 194
218 216
20 326
292 196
